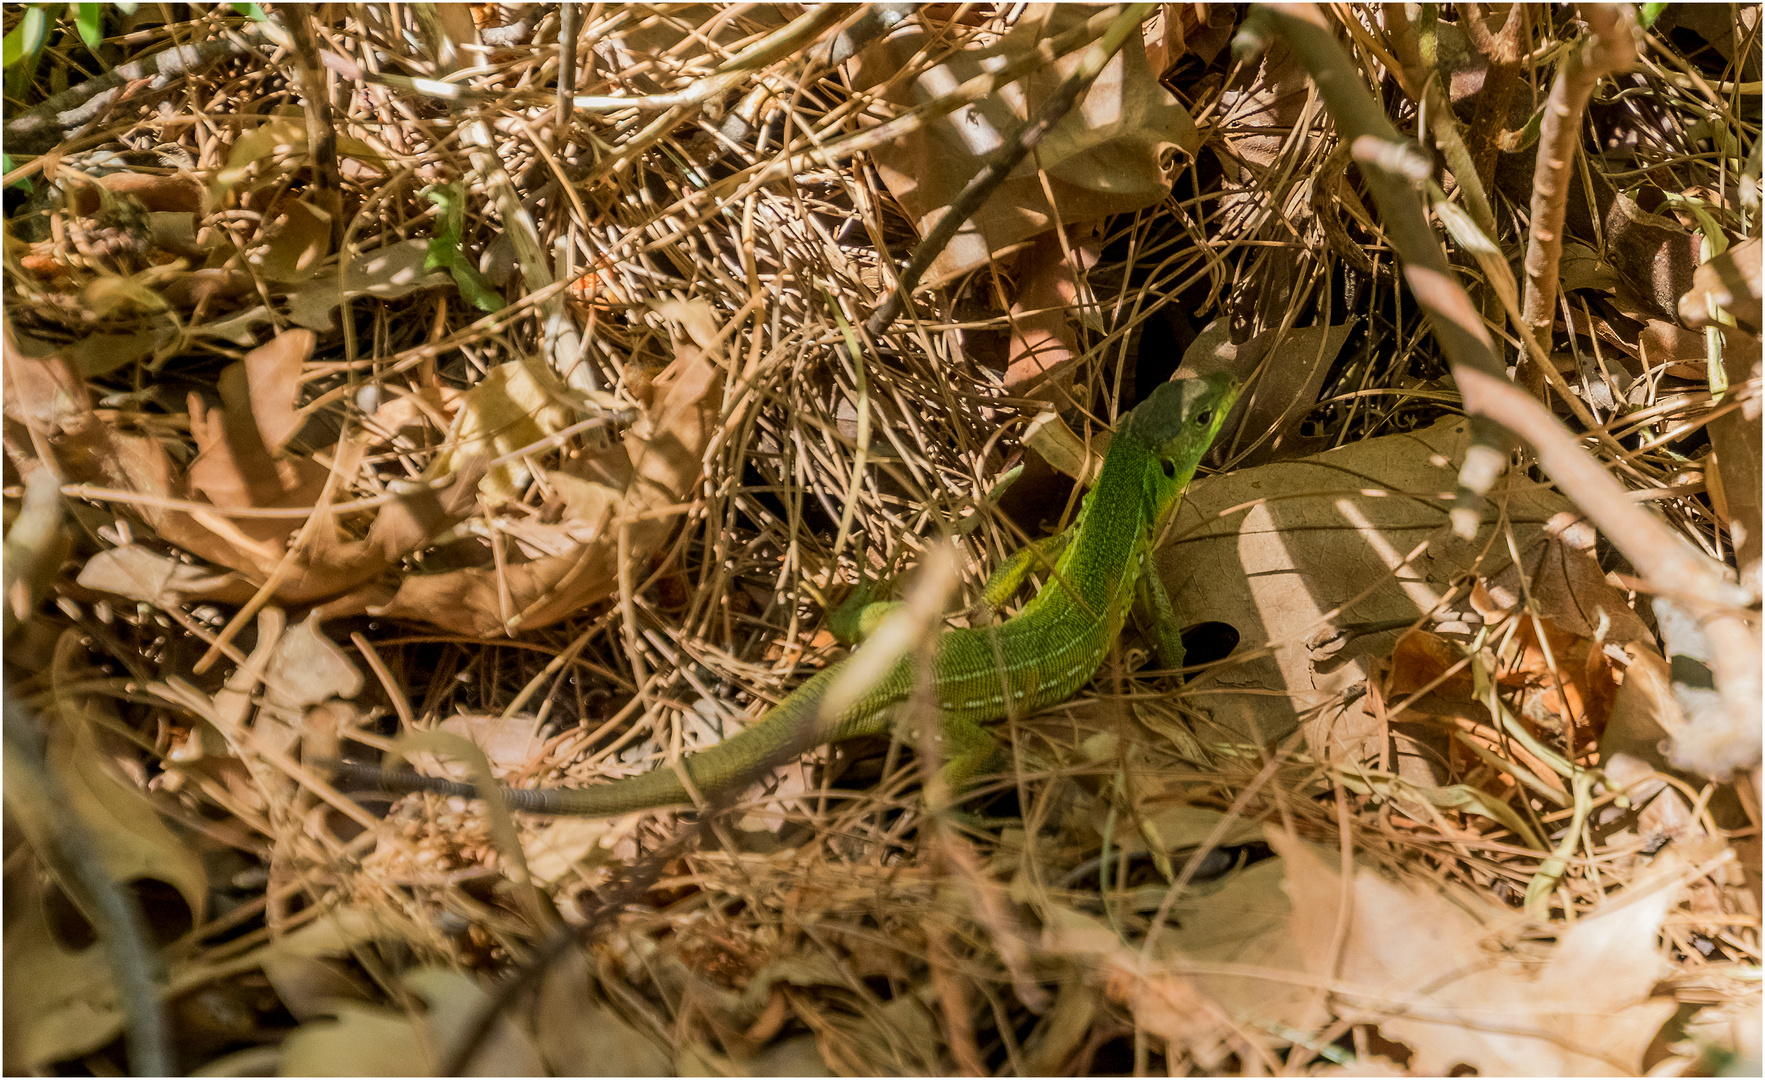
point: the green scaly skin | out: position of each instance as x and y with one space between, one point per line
1049 650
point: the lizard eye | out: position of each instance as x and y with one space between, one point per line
1204 417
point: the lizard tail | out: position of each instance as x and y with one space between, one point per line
788 729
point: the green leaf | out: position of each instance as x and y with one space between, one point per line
27 37
450 226
254 12
440 256
89 21
474 288
1649 13
444 247
1512 142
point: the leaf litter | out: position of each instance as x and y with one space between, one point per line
462 409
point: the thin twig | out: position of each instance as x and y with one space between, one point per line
1609 47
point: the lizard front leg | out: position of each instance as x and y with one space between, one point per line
1158 618
1038 554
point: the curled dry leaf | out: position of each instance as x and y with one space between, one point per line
1651 257
1560 669
1731 282
665 451
133 841
1107 156
514 406
1557 660
238 466
1179 30
59 1003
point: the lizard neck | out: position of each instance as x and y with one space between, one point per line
1105 558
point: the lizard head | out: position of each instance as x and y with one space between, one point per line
1177 423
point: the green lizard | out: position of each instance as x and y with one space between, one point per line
1037 658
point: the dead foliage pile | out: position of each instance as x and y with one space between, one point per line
503 372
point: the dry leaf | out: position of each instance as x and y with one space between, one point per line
101 354
272 378
1730 281
58 1004
1419 659
1107 156
1179 30
140 574
1064 1029
312 988
1241 921
1681 352
361 1041
367 1041
799 1056
578 1037
1582 268
559 850
1414 963
296 241
274 147
383 274
1310 549
130 837
509 742
180 193
453 1000
1565 677
1043 344
235 468
308 668
109 296
511 407
665 451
